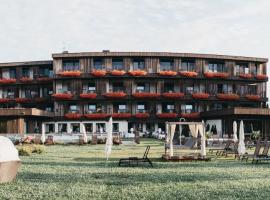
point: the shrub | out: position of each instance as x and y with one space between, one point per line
25 151
39 149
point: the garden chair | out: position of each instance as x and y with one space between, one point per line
136 160
263 155
230 150
256 151
220 150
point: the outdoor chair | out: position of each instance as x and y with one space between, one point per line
220 150
230 150
136 160
263 155
256 153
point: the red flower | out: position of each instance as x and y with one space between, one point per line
73 116
115 95
118 72
145 95
44 79
193 115
189 74
173 95
70 73
137 73
62 96
167 115
261 76
253 97
4 100
88 95
96 116
10 80
247 76
26 79
99 73
216 74
228 96
200 95
167 73
142 115
22 100
121 115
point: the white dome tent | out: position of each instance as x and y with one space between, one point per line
9 160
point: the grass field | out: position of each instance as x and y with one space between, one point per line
81 172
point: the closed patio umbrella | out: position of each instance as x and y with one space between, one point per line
109 141
85 139
43 137
241 145
235 131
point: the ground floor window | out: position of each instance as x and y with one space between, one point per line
75 127
49 128
115 127
88 127
101 127
62 128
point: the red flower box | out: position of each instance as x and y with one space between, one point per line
193 115
26 79
115 95
73 116
4 100
173 95
40 99
121 115
228 96
137 73
22 100
200 95
167 73
99 73
88 95
96 116
189 74
118 72
246 76
6 81
142 115
145 95
253 97
44 79
62 96
70 73
167 115
261 76
216 74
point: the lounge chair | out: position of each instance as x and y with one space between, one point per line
263 155
230 150
220 150
259 145
136 160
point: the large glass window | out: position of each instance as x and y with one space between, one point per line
168 87
166 64
241 68
115 127
12 73
216 67
75 127
117 64
91 87
189 108
122 108
73 108
143 87
101 127
138 64
62 128
71 65
31 93
45 72
88 127
98 64
188 65
141 107
92 108
25 72
168 107
118 87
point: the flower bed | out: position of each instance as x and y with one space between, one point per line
228 96
167 73
145 95
62 96
88 95
26 79
173 95
118 72
246 76
189 74
121 115
253 97
200 95
167 115
22 100
4 100
137 73
44 79
6 81
216 74
142 115
193 115
73 116
96 116
261 76
115 95
70 73
99 73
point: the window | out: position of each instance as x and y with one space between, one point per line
12 73
45 72
189 89
75 127
168 107
138 64
88 127
73 108
143 87
254 69
100 128
188 65
118 87
216 67
92 108
115 127
122 108
117 64
31 93
188 108
241 68
252 89
168 87
25 72
141 107
166 64
49 128
98 64
62 128
91 87
71 65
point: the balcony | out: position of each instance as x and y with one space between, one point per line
261 76
148 95
245 76
63 95
166 115
98 73
253 97
228 96
216 74
137 73
117 72
5 100
189 74
115 95
22 100
26 79
73 115
75 73
173 95
44 78
89 94
96 115
7 80
121 115
167 73
142 115
190 115
200 95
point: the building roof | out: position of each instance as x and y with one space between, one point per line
157 54
26 63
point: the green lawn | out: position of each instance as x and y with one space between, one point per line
81 172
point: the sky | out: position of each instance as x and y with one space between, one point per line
33 30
